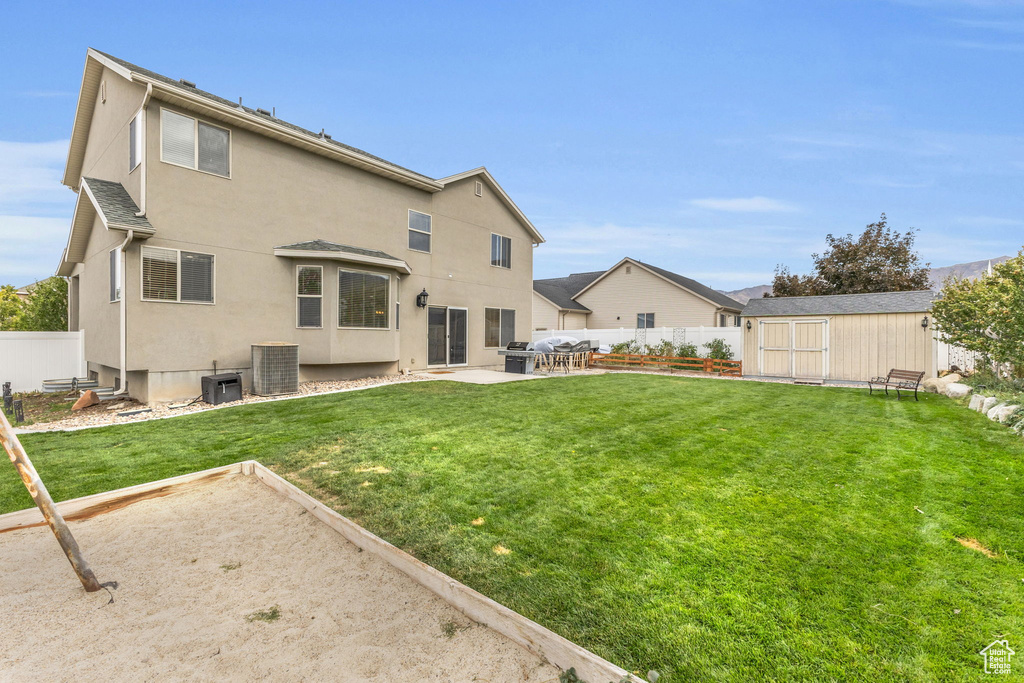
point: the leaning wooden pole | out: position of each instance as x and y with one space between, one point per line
41 496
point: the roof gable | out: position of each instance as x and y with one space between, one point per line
690 285
486 176
558 297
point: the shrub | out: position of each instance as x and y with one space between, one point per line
718 349
687 350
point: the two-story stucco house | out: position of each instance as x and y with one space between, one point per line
203 227
629 294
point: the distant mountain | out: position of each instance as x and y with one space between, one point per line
962 270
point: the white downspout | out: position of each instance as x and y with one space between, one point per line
124 310
145 142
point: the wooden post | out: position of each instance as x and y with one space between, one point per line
41 496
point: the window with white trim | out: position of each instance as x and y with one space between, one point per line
499 327
195 144
363 299
645 320
309 290
173 275
115 274
501 251
419 231
135 142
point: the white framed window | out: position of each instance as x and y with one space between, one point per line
115 274
135 142
177 276
419 231
363 299
645 320
501 251
478 189
499 327
309 293
195 144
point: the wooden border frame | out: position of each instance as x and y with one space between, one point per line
541 641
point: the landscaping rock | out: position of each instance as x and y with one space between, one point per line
89 398
955 390
976 401
1001 412
989 404
933 385
951 378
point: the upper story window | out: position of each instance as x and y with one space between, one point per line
419 231
115 274
173 275
645 320
189 142
501 251
135 142
363 299
309 289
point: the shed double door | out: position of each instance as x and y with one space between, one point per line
794 348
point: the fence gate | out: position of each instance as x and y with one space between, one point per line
791 348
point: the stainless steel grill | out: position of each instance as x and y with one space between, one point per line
519 357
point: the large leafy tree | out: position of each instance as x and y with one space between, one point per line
47 306
986 315
12 308
880 260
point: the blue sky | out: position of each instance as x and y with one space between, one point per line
714 139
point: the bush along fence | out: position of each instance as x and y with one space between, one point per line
642 360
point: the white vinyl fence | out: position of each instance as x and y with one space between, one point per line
28 358
653 336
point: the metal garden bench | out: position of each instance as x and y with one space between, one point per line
905 380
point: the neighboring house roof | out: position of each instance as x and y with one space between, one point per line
228 111
689 284
558 297
842 304
340 252
572 284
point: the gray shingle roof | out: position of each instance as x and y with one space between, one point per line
697 288
558 296
117 205
324 245
220 100
842 304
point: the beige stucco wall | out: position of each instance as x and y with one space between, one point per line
860 346
107 154
616 300
276 195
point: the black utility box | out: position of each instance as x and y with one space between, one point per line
223 388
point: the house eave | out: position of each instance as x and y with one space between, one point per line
394 264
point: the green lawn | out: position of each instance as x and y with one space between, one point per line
707 529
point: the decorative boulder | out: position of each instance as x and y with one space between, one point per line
89 398
955 390
976 401
951 378
1001 412
989 404
933 385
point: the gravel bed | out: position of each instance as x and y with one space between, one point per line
106 413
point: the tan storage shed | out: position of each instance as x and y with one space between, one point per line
848 337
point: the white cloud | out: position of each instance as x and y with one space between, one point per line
30 173
744 205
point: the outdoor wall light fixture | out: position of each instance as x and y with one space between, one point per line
749 325
421 299
924 322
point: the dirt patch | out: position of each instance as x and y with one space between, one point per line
302 604
975 544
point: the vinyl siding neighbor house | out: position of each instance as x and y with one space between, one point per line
850 337
203 227
629 294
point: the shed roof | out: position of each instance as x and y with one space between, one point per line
842 304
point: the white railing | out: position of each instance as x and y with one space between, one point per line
28 358
653 336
